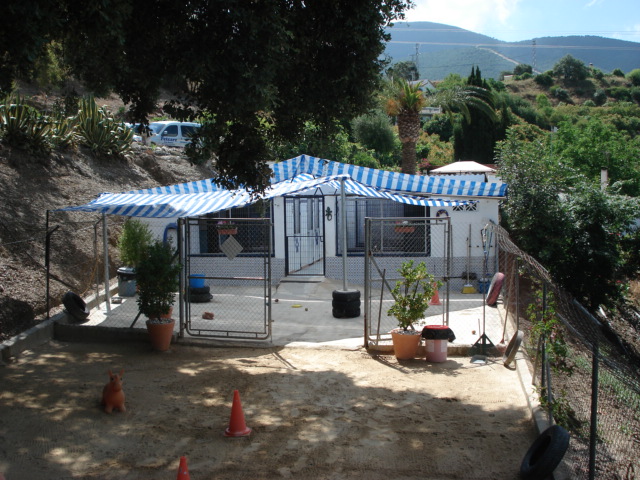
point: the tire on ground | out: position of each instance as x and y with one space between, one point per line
339 312
350 305
199 297
199 290
512 348
545 454
76 306
346 295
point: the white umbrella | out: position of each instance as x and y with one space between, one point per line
462 167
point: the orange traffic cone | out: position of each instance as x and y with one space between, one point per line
183 471
237 427
435 300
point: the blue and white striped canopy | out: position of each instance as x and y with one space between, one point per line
296 176
388 181
163 203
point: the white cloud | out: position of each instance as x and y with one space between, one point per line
472 15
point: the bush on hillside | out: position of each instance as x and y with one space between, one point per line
544 80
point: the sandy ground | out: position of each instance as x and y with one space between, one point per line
315 414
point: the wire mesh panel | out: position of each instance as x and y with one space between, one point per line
583 379
227 271
389 242
304 239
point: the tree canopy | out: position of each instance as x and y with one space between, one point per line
237 64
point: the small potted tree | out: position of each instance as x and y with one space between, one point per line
132 244
226 227
158 280
411 295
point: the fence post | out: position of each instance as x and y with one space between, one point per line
107 285
367 279
593 434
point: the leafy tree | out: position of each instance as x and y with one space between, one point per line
617 72
599 97
522 68
475 139
316 141
533 213
570 70
634 77
544 80
405 70
374 131
564 219
593 144
440 126
231 63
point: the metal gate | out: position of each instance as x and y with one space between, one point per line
388 243
304 235
227 277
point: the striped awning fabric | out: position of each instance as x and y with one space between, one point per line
388 181
199 198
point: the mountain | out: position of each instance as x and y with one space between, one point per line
443 49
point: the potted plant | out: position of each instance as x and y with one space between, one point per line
404 227
132 243
157 277
227 228
411 297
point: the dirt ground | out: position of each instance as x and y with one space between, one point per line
314 414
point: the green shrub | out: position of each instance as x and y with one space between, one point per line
99 132
599 97
617 73
619 93
544 80
634 77
22 127
364 159
561 94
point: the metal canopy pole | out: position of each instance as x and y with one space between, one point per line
343 219
105 242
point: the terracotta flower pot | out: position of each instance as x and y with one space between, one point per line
405 343
160 334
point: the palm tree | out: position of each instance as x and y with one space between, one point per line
461 99
406 102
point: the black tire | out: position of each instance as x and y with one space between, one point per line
346 295
199 298
512 348
545 454
344 313
353 304
76 306
199 290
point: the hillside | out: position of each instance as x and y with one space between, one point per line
442 49
29 186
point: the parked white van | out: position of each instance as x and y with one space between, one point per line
170 133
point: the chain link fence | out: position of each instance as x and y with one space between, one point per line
74 254
582 378
228 272
462 258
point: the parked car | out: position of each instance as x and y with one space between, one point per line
170 133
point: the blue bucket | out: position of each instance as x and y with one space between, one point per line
196 280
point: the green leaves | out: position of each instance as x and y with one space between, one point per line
22 127
101 133
412 294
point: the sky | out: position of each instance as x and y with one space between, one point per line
514 20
